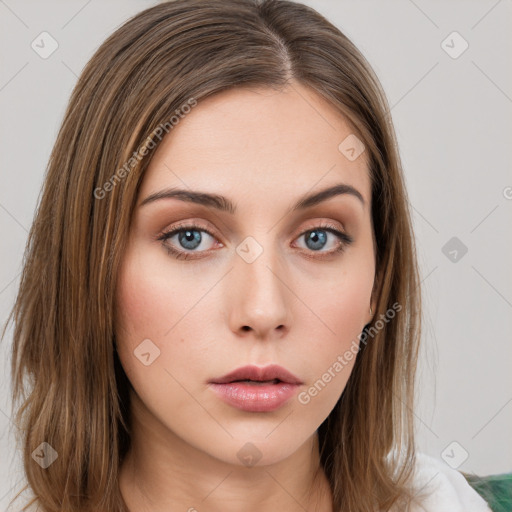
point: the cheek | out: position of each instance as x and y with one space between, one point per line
341 308
343 303
154 323
142 317
146 299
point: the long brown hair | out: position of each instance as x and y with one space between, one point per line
163 58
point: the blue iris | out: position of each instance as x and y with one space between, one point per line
318 238
190 238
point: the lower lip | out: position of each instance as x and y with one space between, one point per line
255 397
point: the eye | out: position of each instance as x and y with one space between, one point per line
317 238
188 237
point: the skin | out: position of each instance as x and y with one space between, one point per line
263 149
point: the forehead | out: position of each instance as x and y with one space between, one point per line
260 139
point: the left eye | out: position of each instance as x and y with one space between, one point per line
191 237
316 238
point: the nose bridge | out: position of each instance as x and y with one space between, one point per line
259 293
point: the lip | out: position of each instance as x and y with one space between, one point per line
256 373
254 397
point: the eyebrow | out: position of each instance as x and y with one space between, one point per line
222 203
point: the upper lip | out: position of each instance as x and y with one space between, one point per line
257 373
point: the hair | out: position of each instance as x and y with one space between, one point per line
170 55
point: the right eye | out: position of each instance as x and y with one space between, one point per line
188 237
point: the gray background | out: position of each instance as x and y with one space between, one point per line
453 121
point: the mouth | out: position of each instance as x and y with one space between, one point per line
255 389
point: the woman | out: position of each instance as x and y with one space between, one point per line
220 304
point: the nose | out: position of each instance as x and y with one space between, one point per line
259 296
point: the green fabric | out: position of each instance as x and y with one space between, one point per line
495 489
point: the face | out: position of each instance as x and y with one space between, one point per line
204 290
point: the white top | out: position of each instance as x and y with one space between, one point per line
448 489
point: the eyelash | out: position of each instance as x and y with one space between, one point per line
345 240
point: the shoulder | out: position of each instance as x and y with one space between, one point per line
443 489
